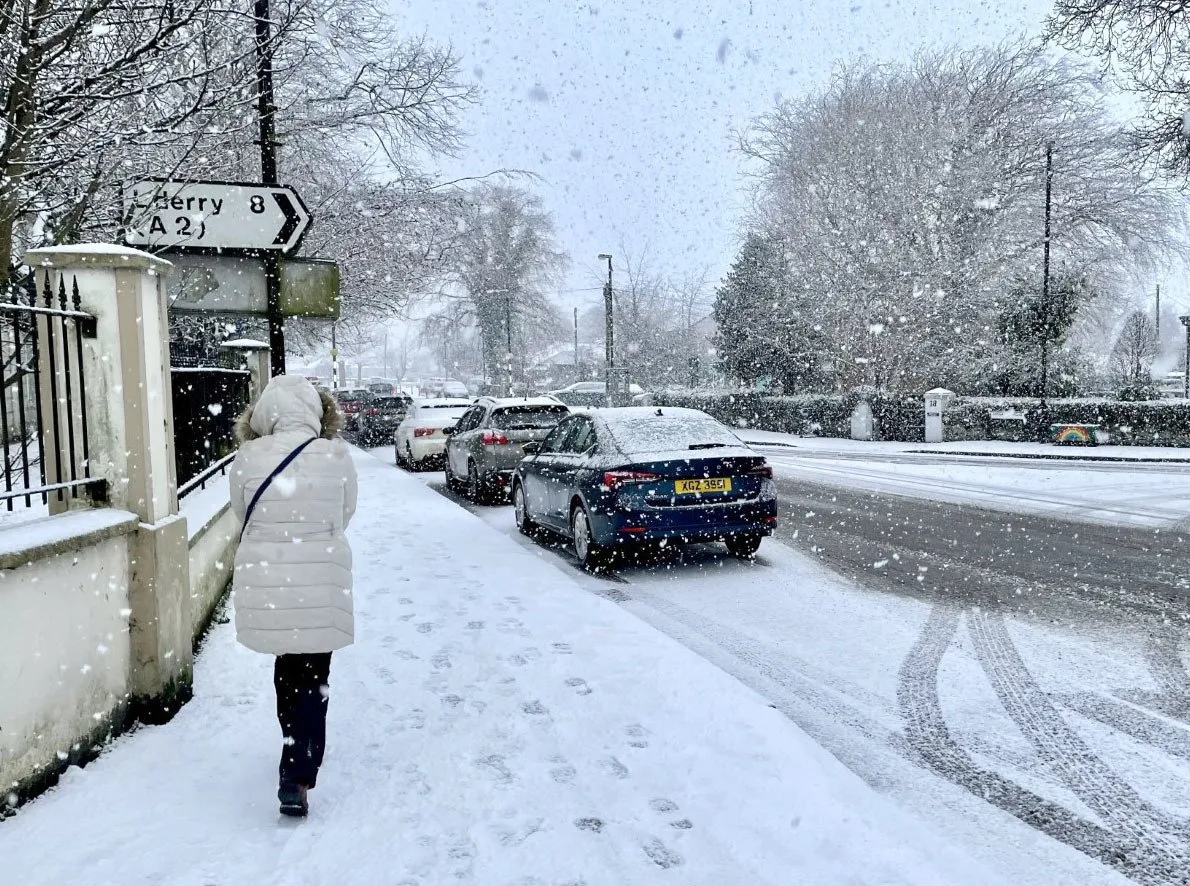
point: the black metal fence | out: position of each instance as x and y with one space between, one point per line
206 403
43 410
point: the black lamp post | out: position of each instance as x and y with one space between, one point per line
609 325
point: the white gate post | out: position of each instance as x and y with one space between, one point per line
130 423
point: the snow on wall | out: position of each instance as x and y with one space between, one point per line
212 556
64 653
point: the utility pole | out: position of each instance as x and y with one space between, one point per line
576 363
1158 316
334 356
609 328
508 332
266 109
1045 284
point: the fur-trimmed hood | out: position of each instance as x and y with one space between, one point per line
290 403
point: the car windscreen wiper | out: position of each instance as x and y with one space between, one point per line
707 445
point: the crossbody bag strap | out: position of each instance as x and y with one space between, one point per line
268 480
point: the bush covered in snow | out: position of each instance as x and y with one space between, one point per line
901 416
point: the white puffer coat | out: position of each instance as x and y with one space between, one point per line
293 568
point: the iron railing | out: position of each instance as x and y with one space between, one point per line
43 409
206 403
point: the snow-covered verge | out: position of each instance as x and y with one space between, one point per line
494 723
1003 448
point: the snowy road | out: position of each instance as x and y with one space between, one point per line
1111 493
1017 681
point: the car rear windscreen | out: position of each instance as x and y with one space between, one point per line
661 433
391 402
512 418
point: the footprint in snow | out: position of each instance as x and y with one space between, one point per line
615 767
408 616
494 766
475 625
663 805
407 654
405 601
637 736
517 660
594 825
579 685
425 627
414 719
563 773
440 660
661 855
535 709
562 649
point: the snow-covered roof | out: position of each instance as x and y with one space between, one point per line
246 344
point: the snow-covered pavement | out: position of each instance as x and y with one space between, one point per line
495 723
1082 485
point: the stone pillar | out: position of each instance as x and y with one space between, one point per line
255 355
130 423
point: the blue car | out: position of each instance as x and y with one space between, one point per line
643 474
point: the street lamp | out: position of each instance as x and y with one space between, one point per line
1045 281
1185 318
609 325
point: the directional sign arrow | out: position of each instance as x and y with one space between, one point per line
204 216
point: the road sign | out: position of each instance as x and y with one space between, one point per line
228 284
206 216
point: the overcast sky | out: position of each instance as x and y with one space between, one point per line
625 108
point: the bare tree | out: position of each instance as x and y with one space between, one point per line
1147 44
1135 350
508 262
909 198
88 85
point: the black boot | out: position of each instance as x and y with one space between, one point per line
293 799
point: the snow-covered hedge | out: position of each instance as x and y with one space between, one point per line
901 416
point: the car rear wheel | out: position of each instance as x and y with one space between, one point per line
477 491
743 546
520 508
591 556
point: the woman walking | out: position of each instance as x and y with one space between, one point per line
293 486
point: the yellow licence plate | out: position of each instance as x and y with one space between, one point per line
714 484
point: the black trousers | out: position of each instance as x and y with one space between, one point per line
303 689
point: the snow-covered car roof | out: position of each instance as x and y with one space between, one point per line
504 402
441 402
641 429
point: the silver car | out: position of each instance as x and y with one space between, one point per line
485 447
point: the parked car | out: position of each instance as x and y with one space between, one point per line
378 421
419 439
589 393
636 474
382 388
488 443
351 402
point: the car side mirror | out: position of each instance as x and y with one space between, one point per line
446 432
532 447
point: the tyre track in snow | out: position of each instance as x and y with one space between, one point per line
1157 842
929 737
958 557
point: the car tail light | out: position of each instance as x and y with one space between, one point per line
423 432
615 479
763 470
491 438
